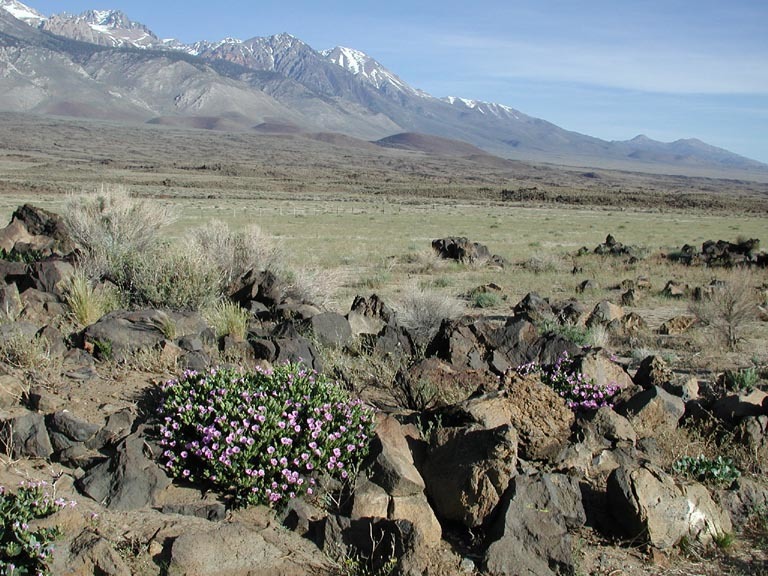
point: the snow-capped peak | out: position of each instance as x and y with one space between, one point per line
22 12
365 67
104 27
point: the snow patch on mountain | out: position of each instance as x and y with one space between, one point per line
22 12
485 108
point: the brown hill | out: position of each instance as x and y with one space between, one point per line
429 144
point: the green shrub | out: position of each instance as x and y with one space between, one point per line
719 471
25 549
485 299
744 380
263 436
168 279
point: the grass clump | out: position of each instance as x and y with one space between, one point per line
24 352
228 319
717 471
264 436
24 548
86 302
743 380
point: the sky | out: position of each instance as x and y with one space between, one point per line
613 69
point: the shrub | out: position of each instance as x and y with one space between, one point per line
110 224
231 253
422 312
485 299
228 318
25 549
744 380
313 285
544 262
757 525
729 310
166 278
579 392
719 471
263 436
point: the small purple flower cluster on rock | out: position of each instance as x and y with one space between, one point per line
262 436
581 393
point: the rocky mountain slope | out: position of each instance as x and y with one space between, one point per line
236 84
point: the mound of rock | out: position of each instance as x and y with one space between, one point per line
462 250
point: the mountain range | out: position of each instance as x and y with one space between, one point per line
101 64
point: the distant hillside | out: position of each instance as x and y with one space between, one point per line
101 64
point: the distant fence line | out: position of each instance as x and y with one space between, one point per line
313 210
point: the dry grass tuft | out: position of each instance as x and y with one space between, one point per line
422 311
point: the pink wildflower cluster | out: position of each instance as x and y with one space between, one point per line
579 392
265 436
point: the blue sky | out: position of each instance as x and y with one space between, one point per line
608 68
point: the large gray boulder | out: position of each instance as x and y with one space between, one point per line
129 480
240 550
467 471
126 332
531 535
23 433
651 505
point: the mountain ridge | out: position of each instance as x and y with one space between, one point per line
281 79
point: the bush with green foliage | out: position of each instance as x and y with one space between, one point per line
166 278
25 549
262 436
485 299
718 471
744 380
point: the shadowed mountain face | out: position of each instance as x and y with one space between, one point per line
101 64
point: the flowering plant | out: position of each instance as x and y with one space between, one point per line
262 436
24 549
580 392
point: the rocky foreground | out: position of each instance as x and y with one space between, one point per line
482 461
